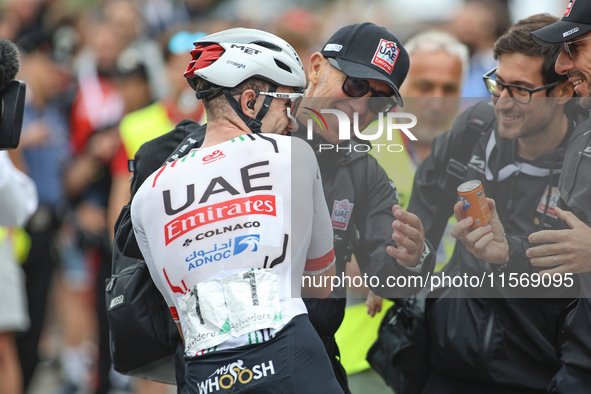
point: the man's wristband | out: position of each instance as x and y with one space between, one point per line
419 267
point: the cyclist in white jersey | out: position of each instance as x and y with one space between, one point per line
229 230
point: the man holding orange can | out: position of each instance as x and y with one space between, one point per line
494 338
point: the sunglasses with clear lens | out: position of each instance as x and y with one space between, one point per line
295 100
518 93
568 48
354 87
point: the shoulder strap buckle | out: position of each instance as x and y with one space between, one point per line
455 173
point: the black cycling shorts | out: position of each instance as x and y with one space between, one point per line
294 362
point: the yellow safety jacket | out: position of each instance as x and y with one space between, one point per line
21 242
144 125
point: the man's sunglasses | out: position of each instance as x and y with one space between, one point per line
518 93
354 87
295 99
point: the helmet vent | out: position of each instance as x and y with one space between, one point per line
268 45
282 65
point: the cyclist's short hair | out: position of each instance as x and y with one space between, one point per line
518 40
214 107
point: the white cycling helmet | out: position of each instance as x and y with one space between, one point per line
232 56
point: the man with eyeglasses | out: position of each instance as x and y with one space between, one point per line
567 250
498 338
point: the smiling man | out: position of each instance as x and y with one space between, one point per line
567 250
486 340
361 60
359 70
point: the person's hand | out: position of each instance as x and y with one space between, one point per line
488 242
373 303
409 237
569 248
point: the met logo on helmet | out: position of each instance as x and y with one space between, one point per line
245 49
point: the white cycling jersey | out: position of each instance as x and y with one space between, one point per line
227 232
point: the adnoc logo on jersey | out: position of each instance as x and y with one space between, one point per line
222 251
345 124
246 243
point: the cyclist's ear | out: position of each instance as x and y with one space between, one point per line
247 102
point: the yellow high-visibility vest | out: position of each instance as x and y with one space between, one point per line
144 125
21 242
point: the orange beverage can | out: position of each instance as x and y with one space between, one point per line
472 196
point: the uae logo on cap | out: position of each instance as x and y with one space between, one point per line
386 55
569 8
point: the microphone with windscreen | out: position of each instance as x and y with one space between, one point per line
12 96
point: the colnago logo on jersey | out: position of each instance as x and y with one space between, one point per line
235 374
220 231
253 205
224 250
386 55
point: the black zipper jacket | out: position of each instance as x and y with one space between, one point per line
497 336
575 196
357 179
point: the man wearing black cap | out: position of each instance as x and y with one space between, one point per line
568 250
361 60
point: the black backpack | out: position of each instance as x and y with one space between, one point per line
143 336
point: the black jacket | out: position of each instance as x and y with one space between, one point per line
358 179
575 196
505 340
